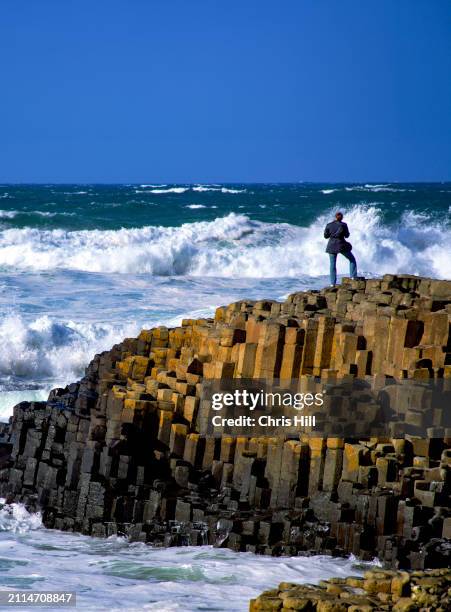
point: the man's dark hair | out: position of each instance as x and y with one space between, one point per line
338 216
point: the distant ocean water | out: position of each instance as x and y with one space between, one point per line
83 266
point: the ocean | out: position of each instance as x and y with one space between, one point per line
112 574
83 266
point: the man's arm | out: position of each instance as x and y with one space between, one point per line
346 230
327 232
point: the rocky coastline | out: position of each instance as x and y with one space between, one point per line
390 590
127 450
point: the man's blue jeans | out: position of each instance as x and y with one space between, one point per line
333 266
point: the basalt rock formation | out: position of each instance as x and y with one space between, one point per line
127 449
396 591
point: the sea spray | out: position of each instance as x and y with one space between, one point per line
122 575
42 353
235 246
43 348
16 519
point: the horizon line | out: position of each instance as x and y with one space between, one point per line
296 182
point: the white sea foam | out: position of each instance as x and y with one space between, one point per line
201 188
16 519
41 213
9 399
234 246
43 348
379 188
12 214
170 190
113 574
195 206
196 188
48 353
328 191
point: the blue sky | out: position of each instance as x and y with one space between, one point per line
205 90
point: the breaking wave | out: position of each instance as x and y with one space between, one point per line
389 188
16 519
235 246
159 189
159 185
170 190
49 353
379 188
12 214
202 188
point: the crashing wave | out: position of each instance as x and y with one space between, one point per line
170 190
9 214
234 246
49 353
16 518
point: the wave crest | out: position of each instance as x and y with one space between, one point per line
16 518
235 245
43 349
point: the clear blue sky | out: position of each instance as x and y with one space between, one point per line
230 90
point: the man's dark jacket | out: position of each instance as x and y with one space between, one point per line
337 231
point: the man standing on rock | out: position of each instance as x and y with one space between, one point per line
337 231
